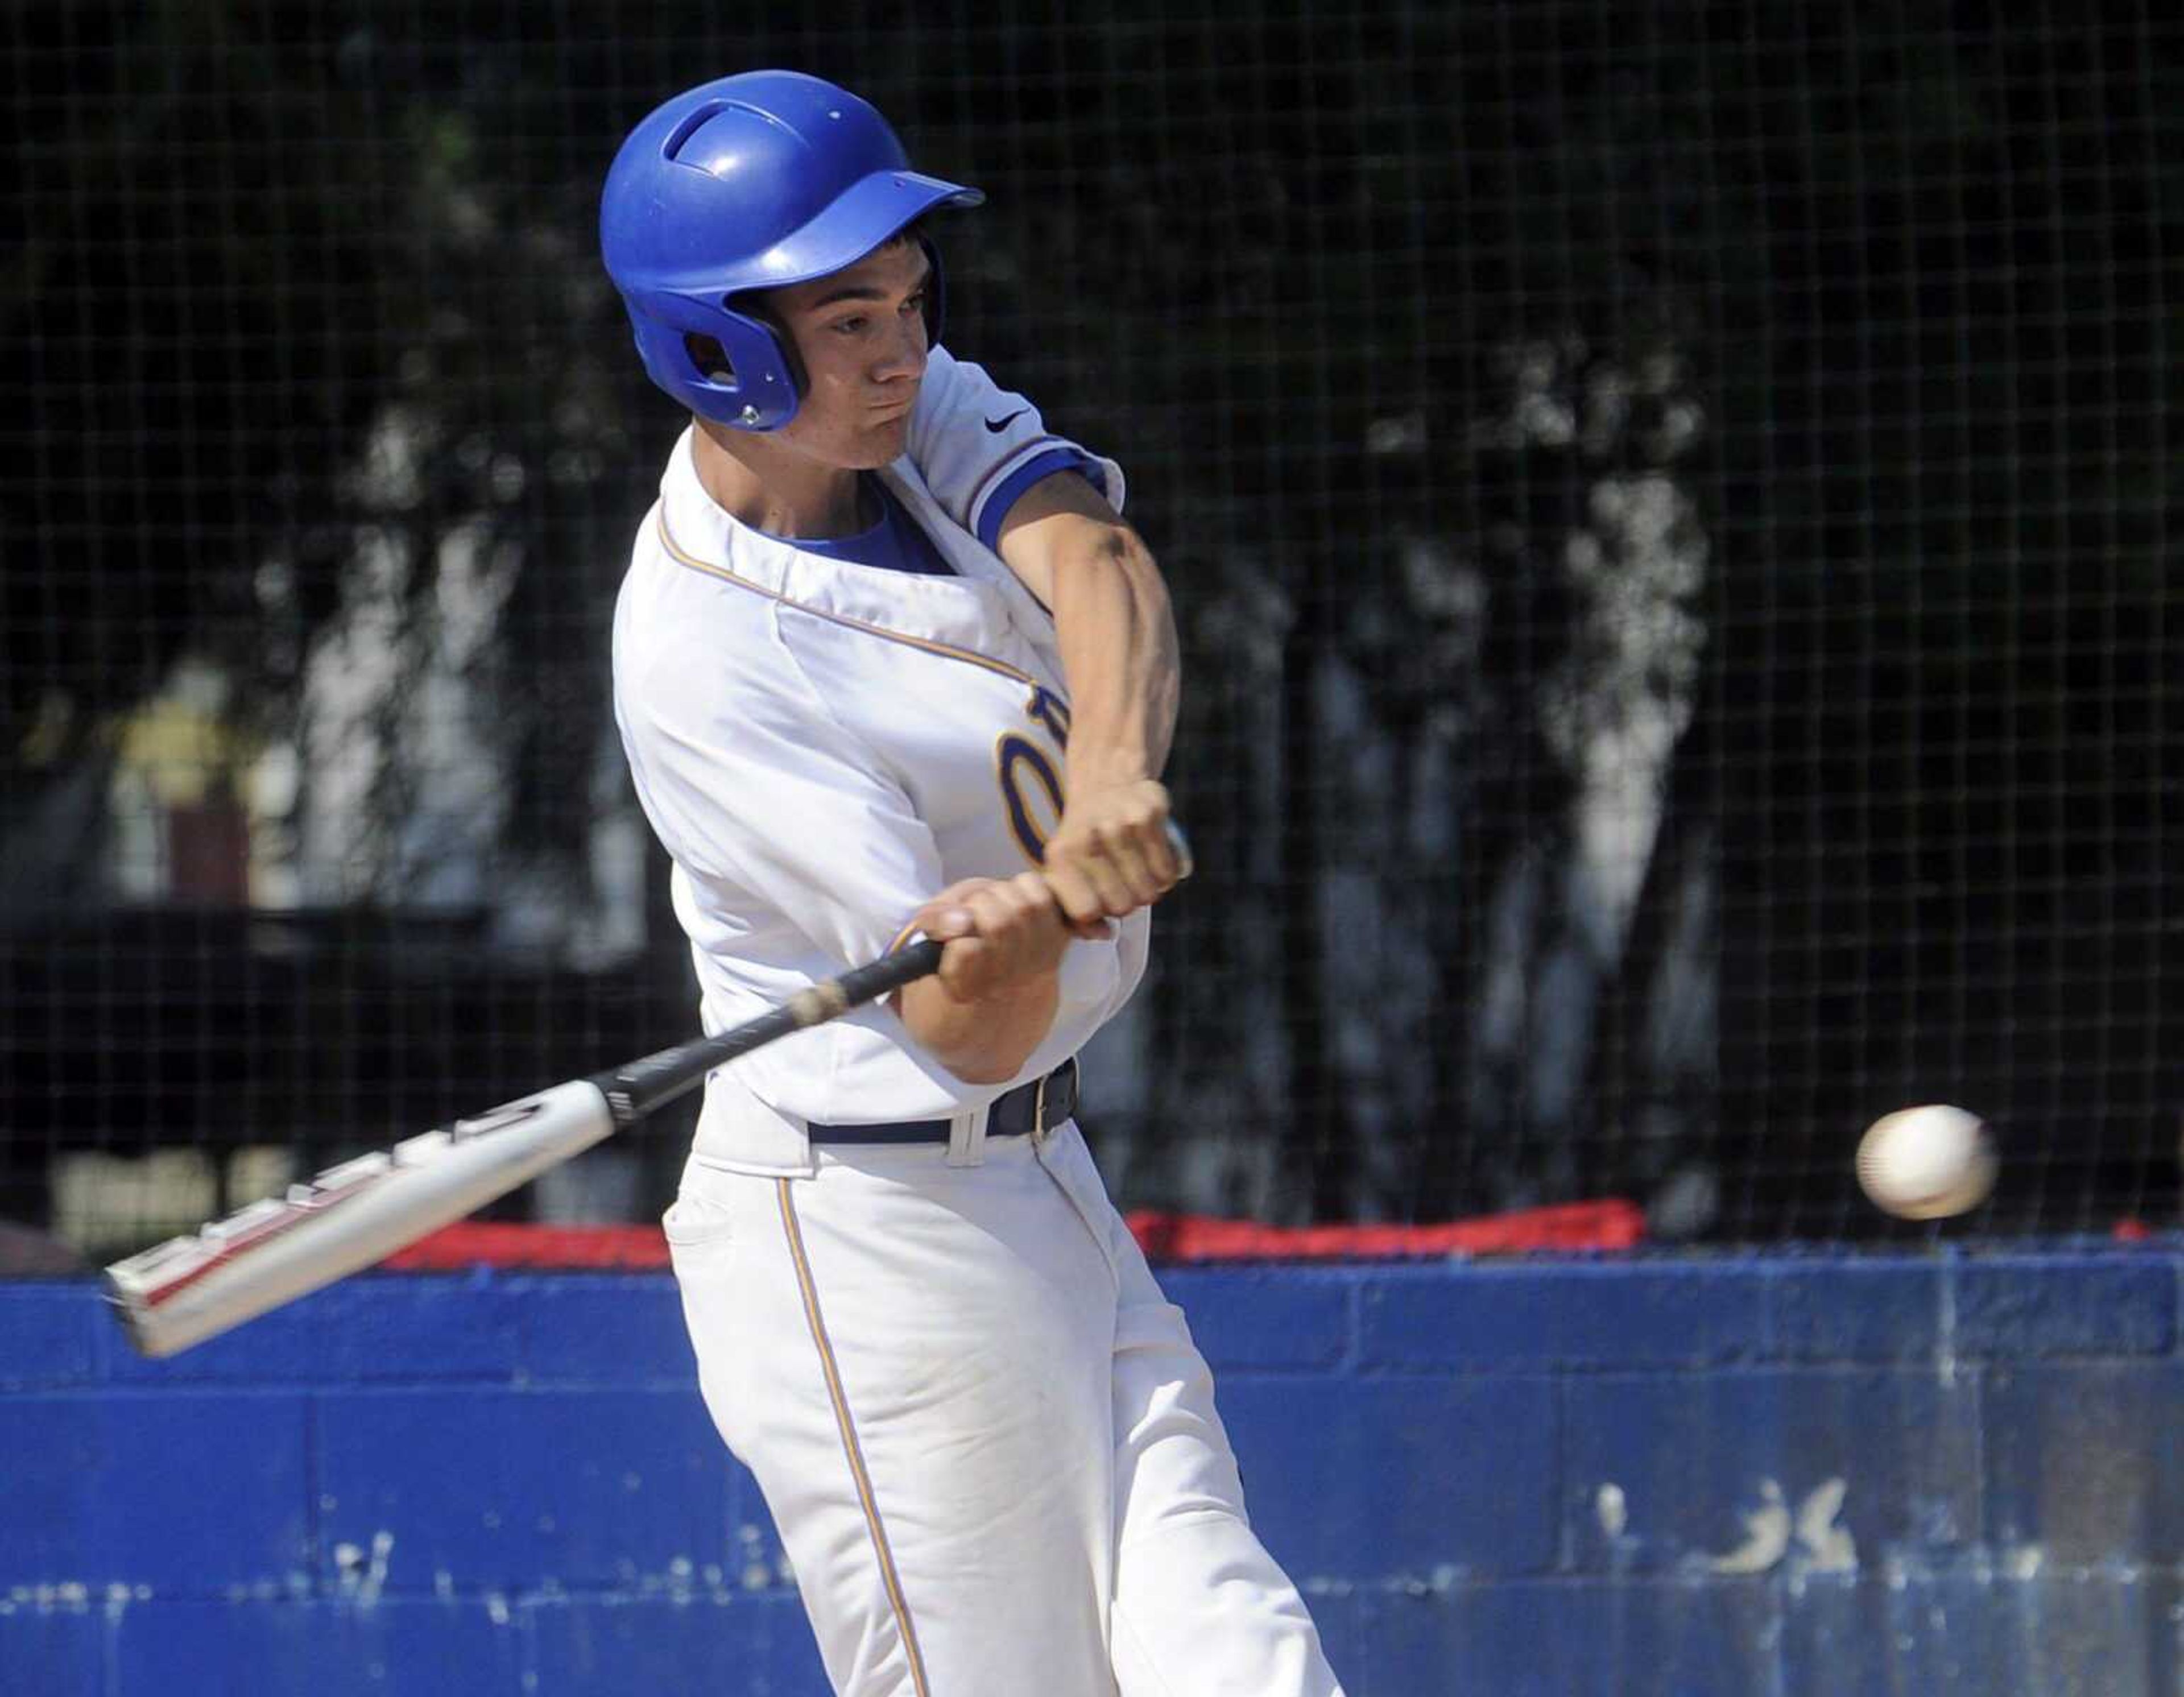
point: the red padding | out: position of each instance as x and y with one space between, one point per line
1612 1224
511 1243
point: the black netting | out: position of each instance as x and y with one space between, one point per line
1670 510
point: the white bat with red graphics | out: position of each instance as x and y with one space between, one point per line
190 1288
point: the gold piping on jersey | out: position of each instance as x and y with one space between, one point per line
850 1449
943 649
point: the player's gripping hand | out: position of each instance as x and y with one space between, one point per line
995 997
1112 854
1002 933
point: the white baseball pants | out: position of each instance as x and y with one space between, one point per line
986 1438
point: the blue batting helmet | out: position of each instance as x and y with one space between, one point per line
750 182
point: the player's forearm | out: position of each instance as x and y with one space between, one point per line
986 1040
1117 633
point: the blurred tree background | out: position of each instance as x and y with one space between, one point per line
1670 511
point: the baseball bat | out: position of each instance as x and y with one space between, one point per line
189 1289
186 1289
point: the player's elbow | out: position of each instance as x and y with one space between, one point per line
987 1069
994 1053
1111 546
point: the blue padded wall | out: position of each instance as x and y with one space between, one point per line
1787 1475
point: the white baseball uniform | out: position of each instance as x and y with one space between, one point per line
988 1441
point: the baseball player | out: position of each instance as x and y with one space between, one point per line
887 662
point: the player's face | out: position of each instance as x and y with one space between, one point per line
860 334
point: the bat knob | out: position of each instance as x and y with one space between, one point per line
1185 864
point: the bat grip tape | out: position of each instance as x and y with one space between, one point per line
642 1087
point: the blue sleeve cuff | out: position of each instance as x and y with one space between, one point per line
1031 471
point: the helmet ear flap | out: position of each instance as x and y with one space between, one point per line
725 366
751 307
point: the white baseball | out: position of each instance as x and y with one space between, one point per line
1926 1163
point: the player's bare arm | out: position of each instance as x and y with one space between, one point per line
1110 854
993 1000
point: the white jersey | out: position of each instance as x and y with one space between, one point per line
823 747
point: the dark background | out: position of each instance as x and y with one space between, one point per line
1671 511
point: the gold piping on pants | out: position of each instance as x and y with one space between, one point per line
850 1449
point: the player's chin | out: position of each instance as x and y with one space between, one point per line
882 441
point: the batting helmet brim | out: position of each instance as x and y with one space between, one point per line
859 220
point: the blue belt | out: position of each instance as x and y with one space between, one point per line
1038 1106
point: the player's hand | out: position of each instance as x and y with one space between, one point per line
1112 854
1002 933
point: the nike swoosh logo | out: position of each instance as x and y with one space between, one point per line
997 426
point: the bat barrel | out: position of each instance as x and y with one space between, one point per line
186 1289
